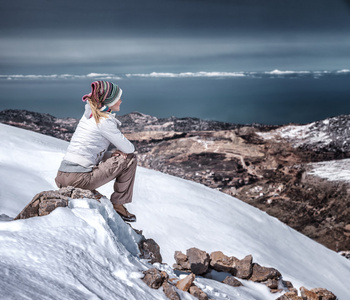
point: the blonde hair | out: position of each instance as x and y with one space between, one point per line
96 110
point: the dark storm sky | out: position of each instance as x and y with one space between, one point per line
129 36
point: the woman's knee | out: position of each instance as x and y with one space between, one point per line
57 180
132 160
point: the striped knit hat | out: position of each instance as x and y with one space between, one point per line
105 93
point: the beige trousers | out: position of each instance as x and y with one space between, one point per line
118 168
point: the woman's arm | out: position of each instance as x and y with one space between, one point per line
109 129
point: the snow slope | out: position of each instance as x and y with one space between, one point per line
87 252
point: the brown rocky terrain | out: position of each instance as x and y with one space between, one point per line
274 168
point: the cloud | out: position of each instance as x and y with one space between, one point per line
189 74
278 72
343 71
220 75
96 76
274 73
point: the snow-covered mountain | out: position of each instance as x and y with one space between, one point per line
85 251
331 134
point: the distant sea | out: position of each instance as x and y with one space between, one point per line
273 99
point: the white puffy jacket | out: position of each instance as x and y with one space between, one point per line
90 141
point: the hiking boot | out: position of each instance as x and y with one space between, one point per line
123 212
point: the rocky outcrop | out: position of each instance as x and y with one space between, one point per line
45 202
38 122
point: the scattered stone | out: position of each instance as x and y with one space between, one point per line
308 295
198 260
154 278
244 267
324 294
181 261
222 263
261 274
198 293
169 291
185 283
289 296
293 290
288 285
150 250
274 291
346 254
272 284
232 281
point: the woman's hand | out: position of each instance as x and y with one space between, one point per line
119 153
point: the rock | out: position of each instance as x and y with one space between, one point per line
222 263
232 281
45 202
346 254
289 296
244 267
261 274
185 283
287 284
5 218
272 284
154 278
273 291
293 290
150 250
324 294
198 260
198 293
169 291
42 204
308 295
181 261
